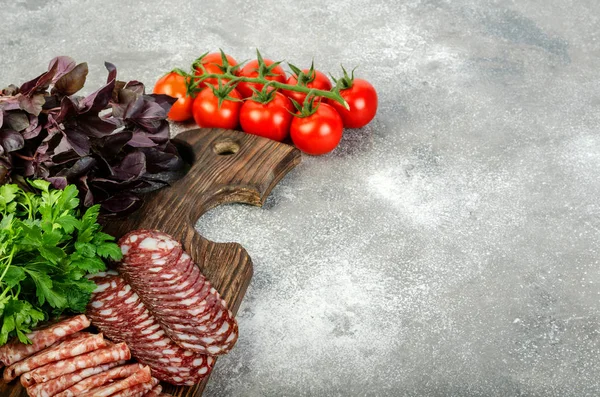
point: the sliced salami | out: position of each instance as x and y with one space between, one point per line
100 379
63 382
16 351
50 371
148 265
141 375
81 344
146 338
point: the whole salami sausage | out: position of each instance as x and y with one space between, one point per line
16 351
50 371
142 375
100 380
63 382
142 389
84 343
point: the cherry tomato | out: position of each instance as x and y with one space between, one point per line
173 85
211 63
270 120
362 99
318 133
251 70
319 82
207 112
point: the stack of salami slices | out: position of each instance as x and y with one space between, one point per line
64 361
161 305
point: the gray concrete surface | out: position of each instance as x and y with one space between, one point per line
450 248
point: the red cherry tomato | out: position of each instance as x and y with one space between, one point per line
211 63
251 70
270 120
173 85
362 99
318 133
319 82
207 112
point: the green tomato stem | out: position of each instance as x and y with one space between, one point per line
227 76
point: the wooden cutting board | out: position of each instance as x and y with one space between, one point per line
227 166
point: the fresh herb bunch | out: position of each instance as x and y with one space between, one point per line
46 249
111 144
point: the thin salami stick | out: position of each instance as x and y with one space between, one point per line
16 351
140 376
43 374
63 350
139 390
56 385
100 380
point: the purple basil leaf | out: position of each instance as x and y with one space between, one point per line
61 65
92 126
72 81
133 166
136 87
111 145
33 104
99 99
159 161
139 139
161 134
114 186
164 101
1 117
79 141
84 190
80 167
17 121
34 128
122 204
58 182
63 158
11 140
64 65
68 109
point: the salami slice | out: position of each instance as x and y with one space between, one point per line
16 351
141 375
63 382
100 379
149 257
50 371
142 389
83 344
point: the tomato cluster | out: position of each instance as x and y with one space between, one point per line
261 99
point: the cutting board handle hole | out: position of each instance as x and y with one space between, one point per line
226 147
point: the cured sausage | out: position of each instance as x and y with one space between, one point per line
50 371
171 286
63 382
142 389
120 319
155 392
81 344
16 351
141 375
100 379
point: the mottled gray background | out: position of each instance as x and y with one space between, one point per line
450 248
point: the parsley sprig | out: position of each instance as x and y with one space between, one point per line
46 249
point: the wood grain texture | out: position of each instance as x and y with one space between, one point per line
227 166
